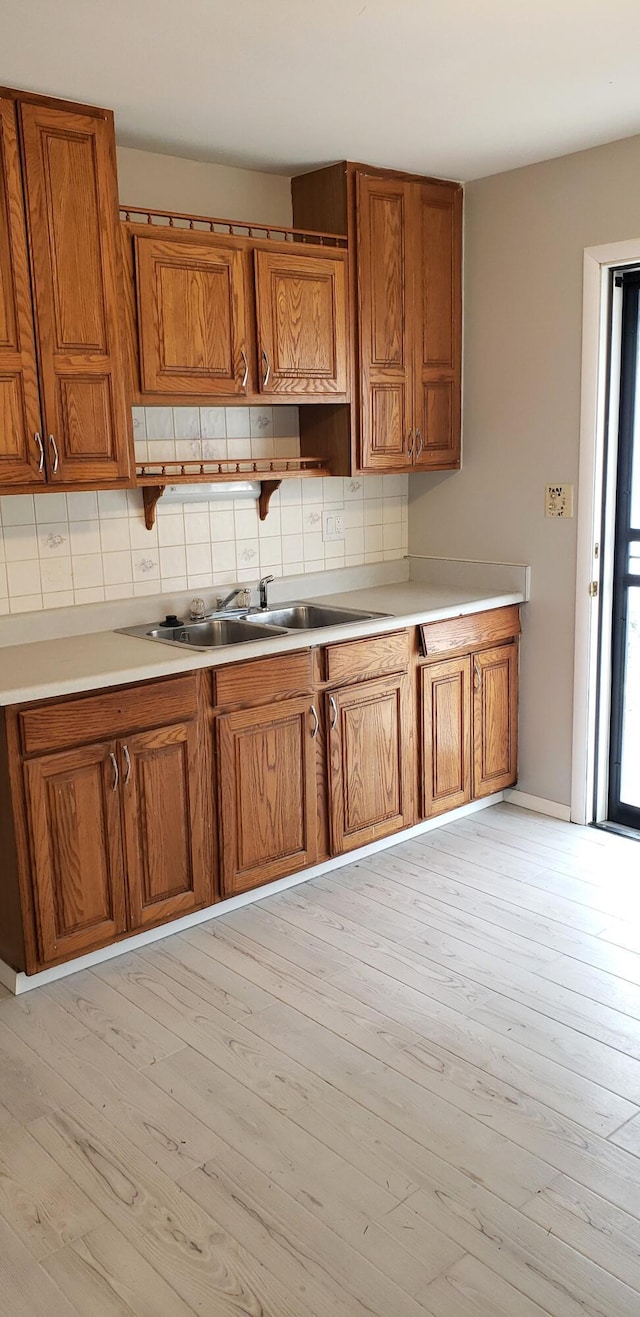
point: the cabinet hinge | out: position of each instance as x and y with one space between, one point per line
593 589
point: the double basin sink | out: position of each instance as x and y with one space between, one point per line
220 629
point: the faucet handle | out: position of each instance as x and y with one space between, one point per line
262 588
197 609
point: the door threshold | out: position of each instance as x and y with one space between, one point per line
619 828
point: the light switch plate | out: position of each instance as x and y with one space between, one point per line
558 501
333 524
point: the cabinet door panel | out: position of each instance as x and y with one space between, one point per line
436 226
384 302
370 762
495 719
302 323
446 735
72 208
74 820
165 824
20 419
192 316
267 794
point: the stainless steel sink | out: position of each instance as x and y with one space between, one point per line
220 630
213 633
306 617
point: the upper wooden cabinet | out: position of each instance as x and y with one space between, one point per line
405 243
217 316
61 331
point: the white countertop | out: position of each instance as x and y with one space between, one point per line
44 669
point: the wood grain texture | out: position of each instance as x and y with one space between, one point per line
445 695
436 234
72 212
355 660
267 786
58 724
165 824
263 680
74 827
20 417
371 761
301 306
495 719
12 938
459 634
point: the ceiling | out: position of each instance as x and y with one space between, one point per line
454 88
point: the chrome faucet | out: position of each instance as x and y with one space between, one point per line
262 587
228 600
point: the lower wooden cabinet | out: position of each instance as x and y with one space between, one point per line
495 719
370 766
168 873
267 793
446 740
73 818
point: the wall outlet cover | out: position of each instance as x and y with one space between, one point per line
558 501
333 524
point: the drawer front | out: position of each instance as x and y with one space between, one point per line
260 681
377 656
464 634
60 724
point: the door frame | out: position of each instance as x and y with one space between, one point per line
594 560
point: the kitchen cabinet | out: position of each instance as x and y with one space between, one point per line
369 795
405 244
267 759
119 829
63 401
495 719
217 316
445 691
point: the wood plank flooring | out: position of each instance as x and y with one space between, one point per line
408 1087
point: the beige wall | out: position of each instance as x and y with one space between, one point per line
146 178
525 232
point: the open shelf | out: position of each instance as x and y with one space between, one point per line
153 477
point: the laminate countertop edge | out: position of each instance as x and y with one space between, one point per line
46 669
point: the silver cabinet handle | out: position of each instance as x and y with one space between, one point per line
316 722
267 374
334 713
246 368
116 771
420 445
56 455
127 760
410 438
476 675
40 444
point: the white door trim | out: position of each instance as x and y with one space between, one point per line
598 261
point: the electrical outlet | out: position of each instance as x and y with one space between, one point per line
558 501
333 524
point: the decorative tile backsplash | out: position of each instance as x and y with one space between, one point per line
61 549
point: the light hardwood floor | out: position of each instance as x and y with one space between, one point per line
410 1087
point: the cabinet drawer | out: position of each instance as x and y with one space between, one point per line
373 657
260 681
465 634
59 724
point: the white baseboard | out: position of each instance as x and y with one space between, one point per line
538 804
17 982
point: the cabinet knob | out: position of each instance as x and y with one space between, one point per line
38 441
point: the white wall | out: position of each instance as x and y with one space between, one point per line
525 232
146 178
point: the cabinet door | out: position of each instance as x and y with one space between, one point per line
446 735
21 460
436 257
267 763
302 323
73 807
384 306
192 316
495 719
72 211
370 762
169 873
